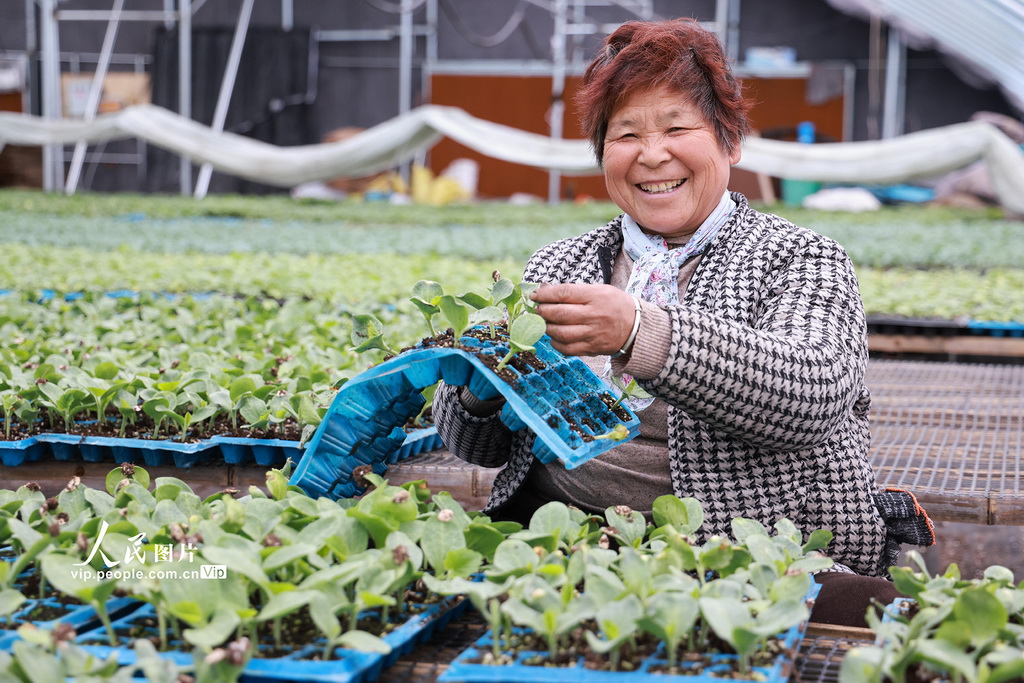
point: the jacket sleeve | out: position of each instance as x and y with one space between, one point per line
783 364
484 441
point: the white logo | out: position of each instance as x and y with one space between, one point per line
213 571
163 555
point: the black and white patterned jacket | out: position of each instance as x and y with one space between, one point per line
768 412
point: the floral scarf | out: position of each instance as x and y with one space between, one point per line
656 267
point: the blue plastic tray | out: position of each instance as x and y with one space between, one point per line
350 666
996 329
420 441
239 450
363 426
80 617
465 670
153 452
62 446
14 453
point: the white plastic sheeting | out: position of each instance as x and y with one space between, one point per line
925 153
983 36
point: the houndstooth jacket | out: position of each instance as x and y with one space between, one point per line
768 412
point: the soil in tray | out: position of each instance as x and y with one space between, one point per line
288 430
58 604
632 656
297 632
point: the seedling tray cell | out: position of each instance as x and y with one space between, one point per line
360 427
14 453
350 666
467 669
419 441
63 446
81 617
237 450
152 452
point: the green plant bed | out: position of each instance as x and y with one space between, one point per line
949 629
524 658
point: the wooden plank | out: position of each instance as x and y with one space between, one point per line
955 345
469 484
53 475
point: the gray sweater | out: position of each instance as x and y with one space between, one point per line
764 381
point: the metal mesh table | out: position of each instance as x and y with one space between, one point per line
951 433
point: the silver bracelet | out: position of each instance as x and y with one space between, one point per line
632 334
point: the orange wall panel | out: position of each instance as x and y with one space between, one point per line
523 102
517 101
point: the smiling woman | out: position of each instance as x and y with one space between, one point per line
747 331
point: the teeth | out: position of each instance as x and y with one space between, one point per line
661 187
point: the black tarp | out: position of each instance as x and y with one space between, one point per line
271 100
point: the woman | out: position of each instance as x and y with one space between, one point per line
748 331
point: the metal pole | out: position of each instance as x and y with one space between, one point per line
169 11
895 85
95 92
431 48
557 111
287 14
227 85
32 52
405 48
53 155
185 82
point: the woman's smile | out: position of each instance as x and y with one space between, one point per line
663 163
660 187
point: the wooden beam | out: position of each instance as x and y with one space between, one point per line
954 345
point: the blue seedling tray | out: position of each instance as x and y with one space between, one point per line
996 329
62 446
363 426
14 453
465 669
80 617
420 441
239 450
350 666
153 452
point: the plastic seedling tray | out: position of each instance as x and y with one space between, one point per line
239 450
14 453
63 446
153 452
349 666
561 403
899 607
419 441
466 668
80 617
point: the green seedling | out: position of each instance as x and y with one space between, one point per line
671 618
617 433
617 622
524 332
488 315
425 296
628 390
457 314
368 333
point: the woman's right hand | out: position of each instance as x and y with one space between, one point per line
585 320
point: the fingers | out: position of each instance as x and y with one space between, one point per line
587 320
564 293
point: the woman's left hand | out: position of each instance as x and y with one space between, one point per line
585 320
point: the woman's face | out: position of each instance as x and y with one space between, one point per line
663 164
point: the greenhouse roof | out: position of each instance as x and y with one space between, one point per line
983 37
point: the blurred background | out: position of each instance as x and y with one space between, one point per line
307 71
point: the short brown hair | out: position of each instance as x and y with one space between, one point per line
677 53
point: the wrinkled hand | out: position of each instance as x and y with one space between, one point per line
585 320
